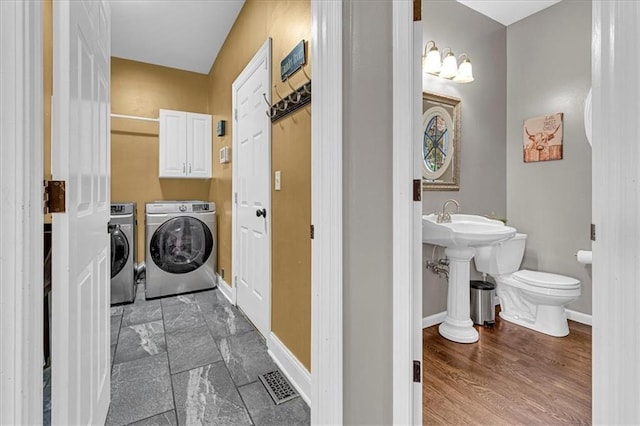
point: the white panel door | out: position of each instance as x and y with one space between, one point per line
252 169
81 157
173 144
198 145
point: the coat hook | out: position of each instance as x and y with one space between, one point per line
264 95
277 93
294 91
305 74
289 83
271 112
304 87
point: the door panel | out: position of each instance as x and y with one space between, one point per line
252 140
80 157
173 144
199 145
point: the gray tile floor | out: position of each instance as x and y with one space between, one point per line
192 359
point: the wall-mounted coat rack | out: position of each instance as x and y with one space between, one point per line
293 101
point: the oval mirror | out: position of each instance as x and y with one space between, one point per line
440 142
437 138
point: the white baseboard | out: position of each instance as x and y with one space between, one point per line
228 291
434 319
297 374
579 317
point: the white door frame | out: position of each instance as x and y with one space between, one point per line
407 240
616 208
326 214
21 229
326 182
254 63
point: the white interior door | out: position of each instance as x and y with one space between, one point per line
81 158
252 186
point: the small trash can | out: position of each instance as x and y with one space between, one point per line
482 310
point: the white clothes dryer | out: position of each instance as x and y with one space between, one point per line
180 247
122 228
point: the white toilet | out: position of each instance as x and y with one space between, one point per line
531 299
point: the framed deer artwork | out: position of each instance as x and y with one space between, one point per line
542 138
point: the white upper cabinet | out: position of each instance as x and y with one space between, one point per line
185 144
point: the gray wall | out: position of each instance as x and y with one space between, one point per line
549 71
482 146
368 222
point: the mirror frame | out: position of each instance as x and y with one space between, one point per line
446 102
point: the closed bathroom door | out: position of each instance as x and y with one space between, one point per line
81 244
252 170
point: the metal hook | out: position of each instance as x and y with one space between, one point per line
264 95
285 105
288 82
294 91
297 98
271 113
277 93
305 74
304 87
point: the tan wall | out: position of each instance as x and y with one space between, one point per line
286 22
142 90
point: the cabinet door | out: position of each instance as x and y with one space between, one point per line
198 145
173 143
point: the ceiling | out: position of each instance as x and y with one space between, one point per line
186 34
508 11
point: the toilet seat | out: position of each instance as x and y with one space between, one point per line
546 280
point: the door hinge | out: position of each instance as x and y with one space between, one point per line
235 281
54 196
235 197
417 190
417 10
593 232
312 231
235 114
417 374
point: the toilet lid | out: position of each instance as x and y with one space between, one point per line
545 279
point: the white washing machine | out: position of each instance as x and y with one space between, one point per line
180 247
123 252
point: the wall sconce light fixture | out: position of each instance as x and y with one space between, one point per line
448 68
431 61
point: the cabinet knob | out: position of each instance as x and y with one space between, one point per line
184 168
189 168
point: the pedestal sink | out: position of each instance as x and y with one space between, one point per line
459 237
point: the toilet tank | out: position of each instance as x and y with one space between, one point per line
502 258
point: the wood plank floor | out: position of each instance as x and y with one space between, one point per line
513 375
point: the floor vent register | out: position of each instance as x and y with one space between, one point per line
278 387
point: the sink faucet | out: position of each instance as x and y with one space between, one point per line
445 217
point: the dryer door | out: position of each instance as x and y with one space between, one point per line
181 245
119 251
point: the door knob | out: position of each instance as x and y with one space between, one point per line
261 212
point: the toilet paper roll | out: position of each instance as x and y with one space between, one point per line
584 257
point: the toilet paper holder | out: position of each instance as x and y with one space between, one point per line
584 256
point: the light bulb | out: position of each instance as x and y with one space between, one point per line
449 66
431 63
465 72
